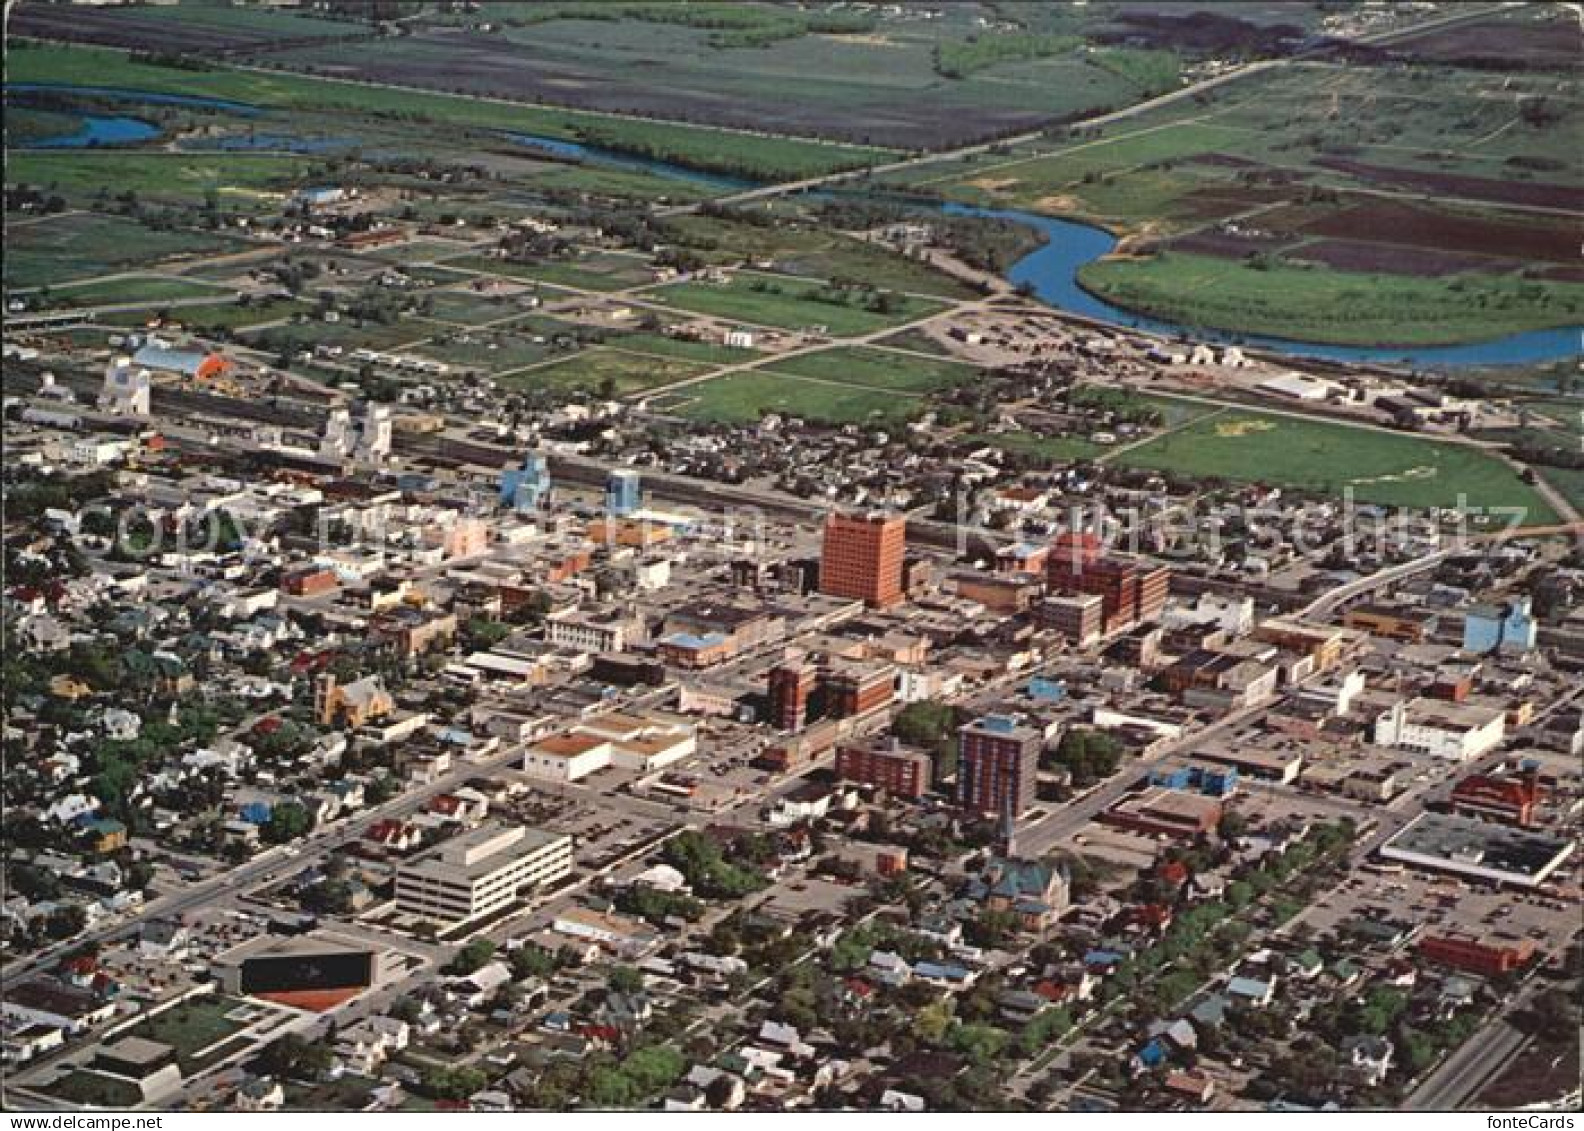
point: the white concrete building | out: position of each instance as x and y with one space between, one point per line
1443 730
482 872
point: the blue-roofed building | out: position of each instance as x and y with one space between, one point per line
1046 690
623 492
188 362
255 812
1505 628
944 973
1214 780
525 488
1153 1054
1033 890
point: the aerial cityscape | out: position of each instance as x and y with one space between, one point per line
751 556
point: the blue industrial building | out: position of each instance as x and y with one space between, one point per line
1216 781
525 488
1506 628
623 492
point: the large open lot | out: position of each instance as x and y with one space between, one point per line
1377 466
61 248
741 398
790 305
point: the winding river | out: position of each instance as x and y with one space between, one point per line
1050 271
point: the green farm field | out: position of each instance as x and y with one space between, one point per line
242 182
1378 466
788 304
1319 304
699 147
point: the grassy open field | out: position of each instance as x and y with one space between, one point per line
699 147
609 372
876 369
61 248
885 87
95 1089
1568 480
596 272
1317 303
131 288
1431 204
807 248
1057 449
500 349
192 1026
741 398
226 317
790 305
203 26
241 182
1377 466
660 345
347 334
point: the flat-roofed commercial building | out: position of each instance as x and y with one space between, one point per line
1441 729
885 764
482 872
1480 849
1169 811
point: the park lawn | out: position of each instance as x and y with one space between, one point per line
248 182
790 304
1058 449
95 1089
609 372
61 248
148 289
876 369
767 157
1567 480
1377 466
192 1026
742 398
1320 305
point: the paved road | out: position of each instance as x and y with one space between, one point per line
1474 1063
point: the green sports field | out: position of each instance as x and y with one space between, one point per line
1377 466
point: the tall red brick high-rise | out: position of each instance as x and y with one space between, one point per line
997 767
791 684
1130 590
862 558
